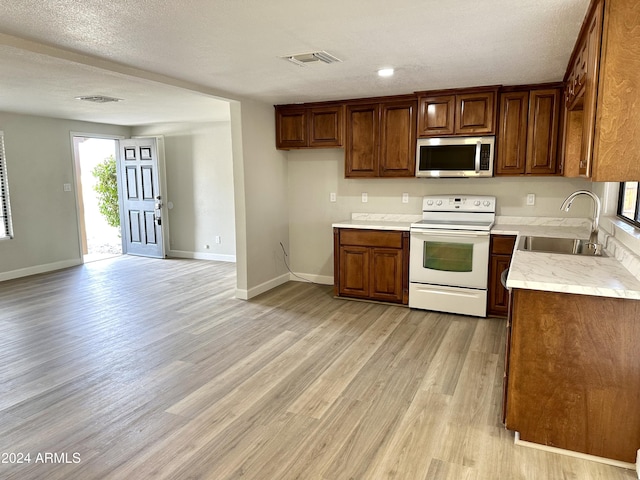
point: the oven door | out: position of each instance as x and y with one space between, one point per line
452 258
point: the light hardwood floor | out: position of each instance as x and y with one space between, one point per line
152 369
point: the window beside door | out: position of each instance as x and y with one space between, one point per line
629 203
6 229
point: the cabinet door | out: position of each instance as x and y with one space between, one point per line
498 295
436 116
592 55
507 351
386 274
501 251
354 271
474 113
512 139
398 139
326 125
362 149
291 128
542 135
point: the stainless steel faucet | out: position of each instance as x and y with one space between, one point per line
593 238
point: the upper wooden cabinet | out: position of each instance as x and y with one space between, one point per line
528 131
380 138
457 112
309 126
600 128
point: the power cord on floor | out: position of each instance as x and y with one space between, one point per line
286 264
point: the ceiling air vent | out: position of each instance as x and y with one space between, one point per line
99 99
302 59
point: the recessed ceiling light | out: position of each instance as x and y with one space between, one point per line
385 72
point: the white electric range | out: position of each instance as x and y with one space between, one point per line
449 254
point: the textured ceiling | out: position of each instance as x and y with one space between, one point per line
232 47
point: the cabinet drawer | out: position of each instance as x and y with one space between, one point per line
371 238
502 244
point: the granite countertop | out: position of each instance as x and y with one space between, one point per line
615 275
375 221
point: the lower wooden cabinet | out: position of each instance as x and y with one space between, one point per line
501 250
573 378
371 264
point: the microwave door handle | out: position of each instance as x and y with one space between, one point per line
478 150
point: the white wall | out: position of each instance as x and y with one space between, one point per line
314 174
199 172
262 212
39 162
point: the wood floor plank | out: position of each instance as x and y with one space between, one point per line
418 434
444 371
152 369
318 398
200 399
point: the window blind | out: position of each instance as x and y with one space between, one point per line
5 210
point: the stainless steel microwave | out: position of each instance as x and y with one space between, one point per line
455 157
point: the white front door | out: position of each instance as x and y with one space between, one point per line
142 199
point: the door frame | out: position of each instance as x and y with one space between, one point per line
75 159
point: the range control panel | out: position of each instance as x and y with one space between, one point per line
463 203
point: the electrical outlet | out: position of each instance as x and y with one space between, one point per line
66 187
332 197
365 197
218 239
531 199
405 198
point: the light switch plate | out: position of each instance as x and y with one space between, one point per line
332 197
66 187
365 197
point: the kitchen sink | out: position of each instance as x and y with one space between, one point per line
570 246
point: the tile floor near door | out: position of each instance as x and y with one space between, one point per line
132 368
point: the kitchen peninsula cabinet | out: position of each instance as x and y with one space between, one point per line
309 126
371 264
573 378
501 249
528 128
380 138
601 125
457 112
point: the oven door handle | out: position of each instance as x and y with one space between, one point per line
450 233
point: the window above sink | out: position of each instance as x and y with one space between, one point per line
629 203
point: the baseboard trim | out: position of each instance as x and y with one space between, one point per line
202 256
570 453
282 279
37 269
301 277
263 287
